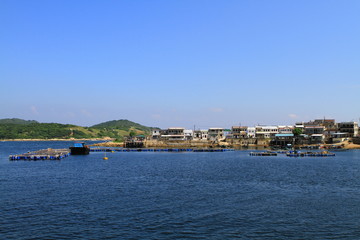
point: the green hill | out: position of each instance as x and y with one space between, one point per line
23 129
16 121
123 124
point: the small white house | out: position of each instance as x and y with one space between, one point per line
251 132
189 134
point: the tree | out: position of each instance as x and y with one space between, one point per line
132 133
297 131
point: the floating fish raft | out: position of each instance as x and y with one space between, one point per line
266 154
102 149
310 154
295 154
44 154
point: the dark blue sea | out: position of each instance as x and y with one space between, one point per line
147 195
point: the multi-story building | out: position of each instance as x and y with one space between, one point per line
215 134
251 132
266 131
315 133
350 128
310 130
200 134
286 129
175 133
189 134
239 132
328 124
155 134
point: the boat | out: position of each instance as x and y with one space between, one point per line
79 148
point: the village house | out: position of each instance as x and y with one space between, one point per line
283 140
351 129
329 125
266 131
215 134
285 129
251 132
189 134
201 134
310 130
155 134
175 133
239 132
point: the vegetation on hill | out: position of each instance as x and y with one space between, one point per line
16 121
22 129
123 124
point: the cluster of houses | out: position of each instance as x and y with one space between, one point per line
317 131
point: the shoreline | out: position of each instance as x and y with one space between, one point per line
55 139
108 142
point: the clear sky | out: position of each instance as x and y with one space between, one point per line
180 63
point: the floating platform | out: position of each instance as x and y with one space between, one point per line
310 154
105 149
44 154
264 154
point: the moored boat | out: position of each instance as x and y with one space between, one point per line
79 148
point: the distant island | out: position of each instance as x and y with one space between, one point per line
19 129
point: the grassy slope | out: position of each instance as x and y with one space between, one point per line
21 129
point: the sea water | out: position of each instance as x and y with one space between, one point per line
159 195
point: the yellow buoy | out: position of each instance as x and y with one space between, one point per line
105 158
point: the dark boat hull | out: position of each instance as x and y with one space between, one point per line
79 150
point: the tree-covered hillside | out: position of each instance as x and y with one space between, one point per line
22 129
123 124
16 121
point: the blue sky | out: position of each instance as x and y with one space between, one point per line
180 63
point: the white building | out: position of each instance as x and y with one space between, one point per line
286 129
189 134
251 132
155 134
175 133
266 131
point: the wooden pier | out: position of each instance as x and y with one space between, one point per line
43 154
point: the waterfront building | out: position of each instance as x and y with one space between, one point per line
239 132
317 138
310 130
283 140
350 128
201 134
175 133
227 133
286 129
329 126
155 134
215 134
300 125
327 123
189 134
251 132
337 137
266 131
